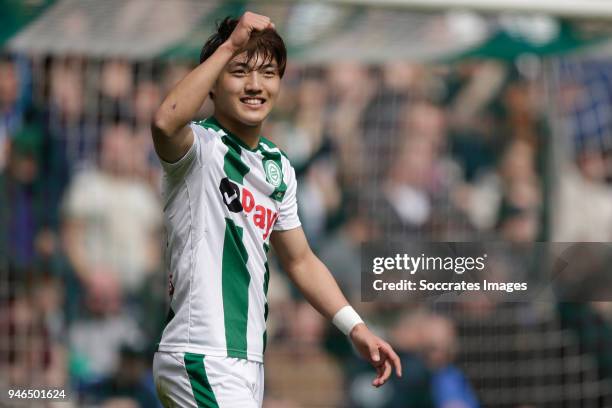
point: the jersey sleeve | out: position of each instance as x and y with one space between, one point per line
288 213
199 152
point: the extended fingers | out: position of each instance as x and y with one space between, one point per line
392 355
379 374
383 373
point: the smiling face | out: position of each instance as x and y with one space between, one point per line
246 90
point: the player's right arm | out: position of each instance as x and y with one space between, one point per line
170 129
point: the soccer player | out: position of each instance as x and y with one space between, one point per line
228 193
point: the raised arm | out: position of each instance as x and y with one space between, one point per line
319 287
172 136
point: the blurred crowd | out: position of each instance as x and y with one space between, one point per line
399 151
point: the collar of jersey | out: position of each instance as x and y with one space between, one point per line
213 121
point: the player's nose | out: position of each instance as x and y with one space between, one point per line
253 82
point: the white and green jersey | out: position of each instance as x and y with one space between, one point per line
221 202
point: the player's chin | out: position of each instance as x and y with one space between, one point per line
253 117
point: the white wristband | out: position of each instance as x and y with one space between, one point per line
345 319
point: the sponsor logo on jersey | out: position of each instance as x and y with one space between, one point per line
231 195
239 199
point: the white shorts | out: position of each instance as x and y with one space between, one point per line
188 380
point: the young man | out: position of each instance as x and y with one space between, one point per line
228 193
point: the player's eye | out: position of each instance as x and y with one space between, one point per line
269 73
239 72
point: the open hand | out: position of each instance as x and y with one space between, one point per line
247 23
378 352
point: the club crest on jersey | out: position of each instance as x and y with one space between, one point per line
274 175
244 201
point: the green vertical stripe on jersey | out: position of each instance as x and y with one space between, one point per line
233 165
235 282
202 391
275 155
265 288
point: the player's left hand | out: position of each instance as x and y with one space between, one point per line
378 352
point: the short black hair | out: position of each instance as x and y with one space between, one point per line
266 42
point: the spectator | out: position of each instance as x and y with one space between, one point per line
318 371
24 211
345 122
340 250
127 386
593 330
585 179
147 98
12 109
112 217
73 136
407 190
31 355
407 337
449 386
415 197
381 117
116 87
307 141
513 184
102 328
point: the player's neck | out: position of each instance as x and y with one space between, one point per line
249 135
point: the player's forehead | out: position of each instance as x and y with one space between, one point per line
254 61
